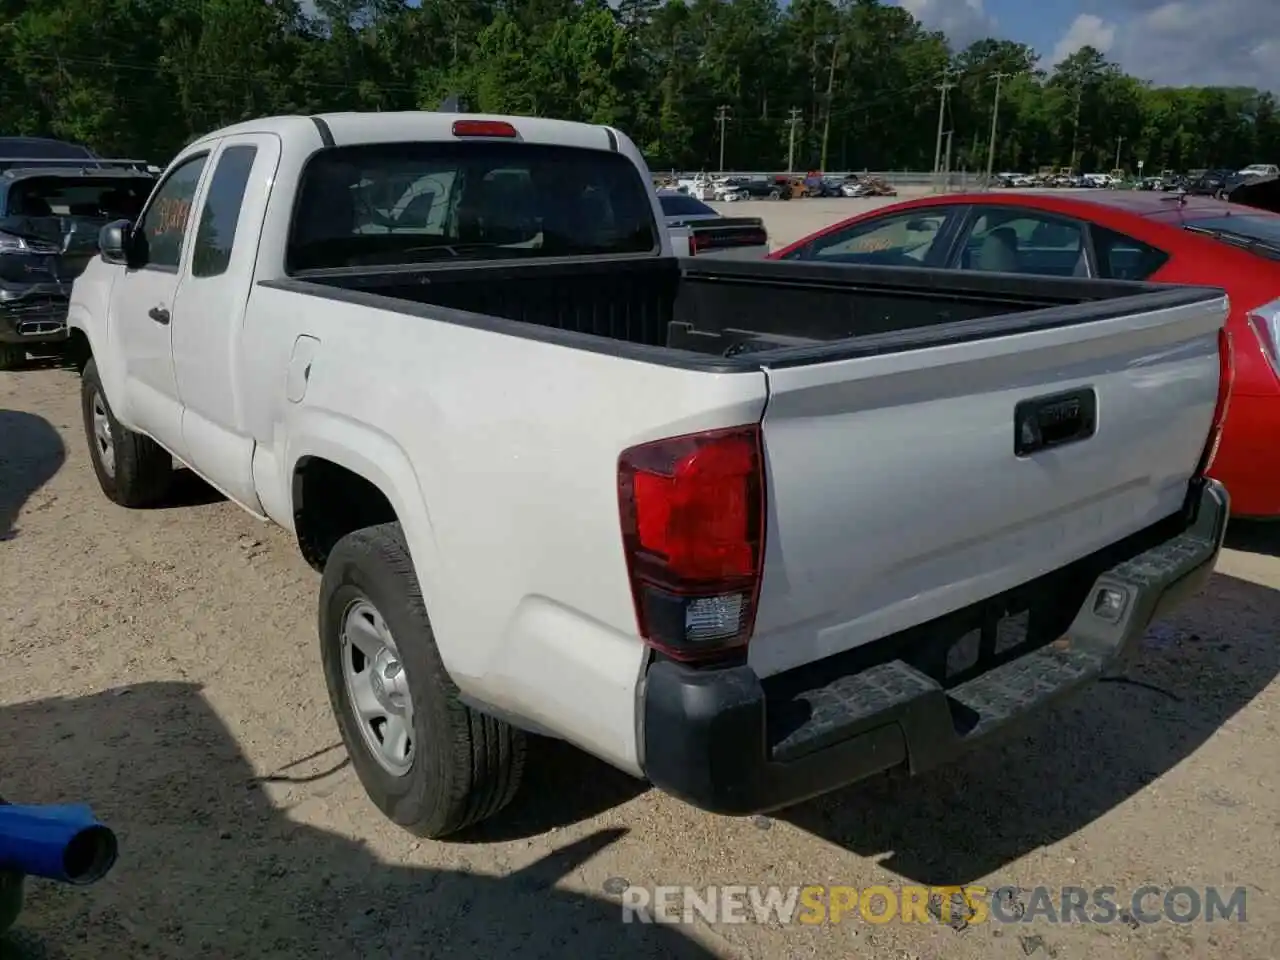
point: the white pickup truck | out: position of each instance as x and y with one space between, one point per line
750 530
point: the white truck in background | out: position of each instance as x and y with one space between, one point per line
730 526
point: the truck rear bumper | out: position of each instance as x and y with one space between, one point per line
724 741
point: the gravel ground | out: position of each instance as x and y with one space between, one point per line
161 665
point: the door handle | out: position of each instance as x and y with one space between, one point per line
159 315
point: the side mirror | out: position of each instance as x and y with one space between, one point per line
921 225
113 242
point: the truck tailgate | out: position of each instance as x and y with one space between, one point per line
896 493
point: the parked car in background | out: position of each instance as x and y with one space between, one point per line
867 187
1260 170
1213 183
698 230
1111 235
51 209
767 188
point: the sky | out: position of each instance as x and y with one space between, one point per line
1169 42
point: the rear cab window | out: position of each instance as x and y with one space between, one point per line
406 203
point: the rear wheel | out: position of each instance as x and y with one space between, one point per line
12 356
426 759
775 194
133 470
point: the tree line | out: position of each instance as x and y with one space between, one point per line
849 85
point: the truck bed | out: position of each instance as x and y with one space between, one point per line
931 439
731 308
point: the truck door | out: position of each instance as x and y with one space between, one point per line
211 310
143 306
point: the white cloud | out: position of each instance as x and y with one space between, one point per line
1195 42
963 21
1086 30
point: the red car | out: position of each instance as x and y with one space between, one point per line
1116 235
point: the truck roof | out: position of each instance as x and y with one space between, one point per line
338 129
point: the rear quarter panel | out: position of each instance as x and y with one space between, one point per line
501 453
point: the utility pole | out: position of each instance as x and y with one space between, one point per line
831 86
943 87
1075 127
796 113
722 117
995 117
1119 144
946 162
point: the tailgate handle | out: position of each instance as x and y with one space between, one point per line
1042 423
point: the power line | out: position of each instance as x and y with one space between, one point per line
796 114
722 117
995 114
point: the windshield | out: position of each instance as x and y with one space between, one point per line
68 211
1250 228
678 205
405 203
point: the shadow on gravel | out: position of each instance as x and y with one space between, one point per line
31 452
209 868
1199 668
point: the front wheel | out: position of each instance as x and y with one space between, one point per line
427 760
132 469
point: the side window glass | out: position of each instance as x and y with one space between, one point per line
1010 240
905 239
164 223
217 232
1124 258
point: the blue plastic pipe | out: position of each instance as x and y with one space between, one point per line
62 842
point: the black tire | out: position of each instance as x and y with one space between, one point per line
12 356
465 766
143 468
775 194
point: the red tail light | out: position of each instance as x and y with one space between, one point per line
483 128
697 242
692 511
1226 381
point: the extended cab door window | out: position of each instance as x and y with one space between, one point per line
218 220
158 236
1018 240
909 239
